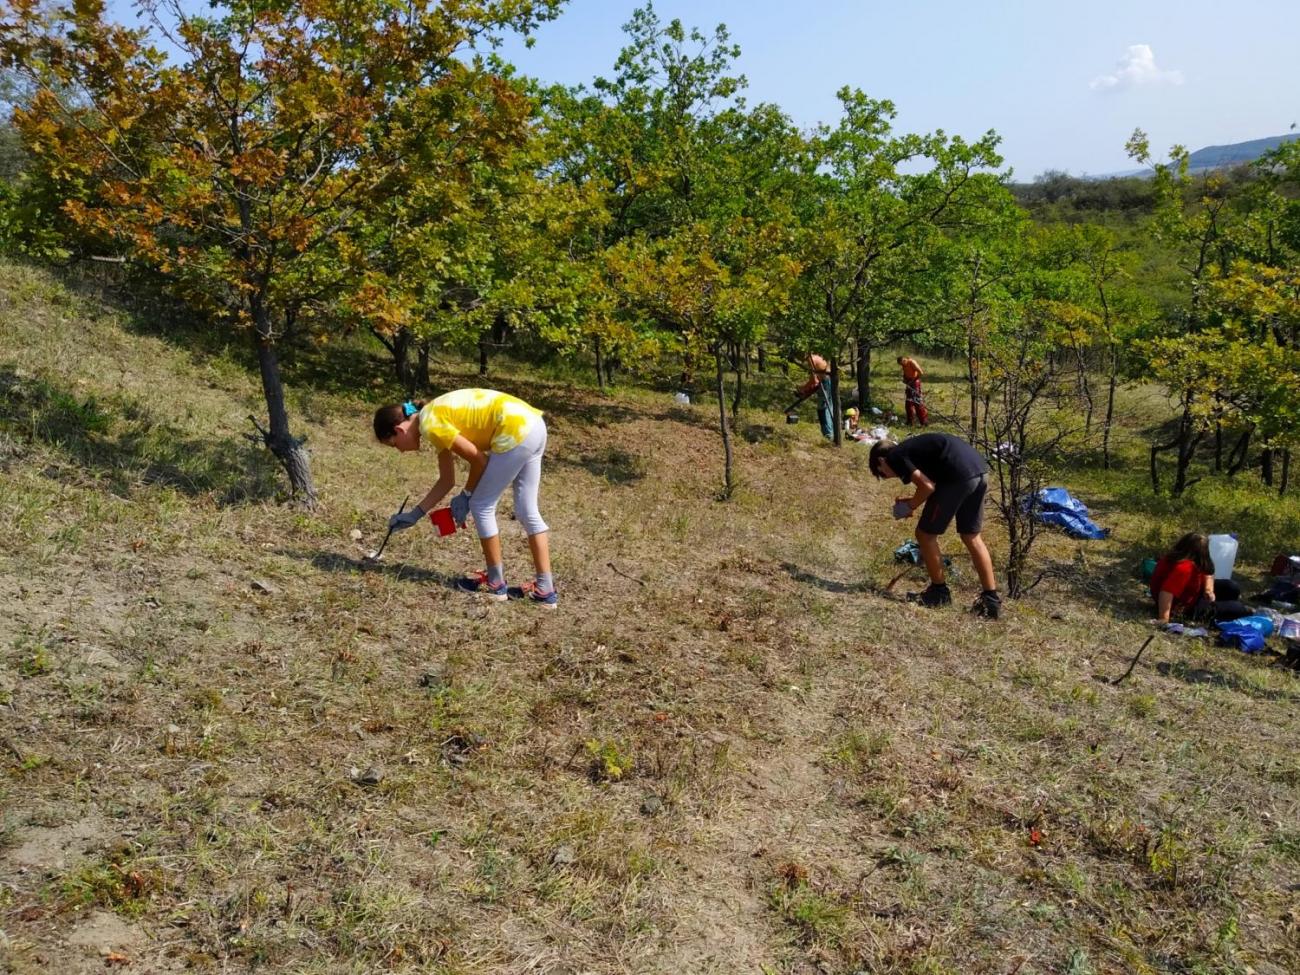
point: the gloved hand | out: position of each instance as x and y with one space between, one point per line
902 510
405 519
460 508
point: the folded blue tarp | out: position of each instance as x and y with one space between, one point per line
1055 506
1247 633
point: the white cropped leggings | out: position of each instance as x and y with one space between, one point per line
521 467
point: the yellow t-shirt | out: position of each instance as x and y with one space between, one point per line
492 421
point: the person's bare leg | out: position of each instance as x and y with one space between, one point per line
979 555
540 546
929 545
491 550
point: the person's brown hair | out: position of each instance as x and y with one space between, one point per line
1195 548
388 417
878 451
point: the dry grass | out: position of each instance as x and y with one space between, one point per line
756 762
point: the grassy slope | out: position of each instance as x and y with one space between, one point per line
848 783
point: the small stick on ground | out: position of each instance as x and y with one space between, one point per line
1135 659
624 574
13 749
898 578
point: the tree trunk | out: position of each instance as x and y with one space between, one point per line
762 359
422 372
600 365
1188 441
483 355
1286 471
722 423
1110 416
972 378
735 400
836 418
1237 455
972 348
864 378
1085 390
399 348
1266 466
288 450
402 361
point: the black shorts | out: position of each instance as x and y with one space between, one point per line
965 499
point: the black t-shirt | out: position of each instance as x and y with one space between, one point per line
941 457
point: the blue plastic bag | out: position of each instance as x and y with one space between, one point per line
1056 506
1246 634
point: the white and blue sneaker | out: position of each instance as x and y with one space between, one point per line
547 600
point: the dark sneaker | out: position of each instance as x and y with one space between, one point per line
935 594
478 584
530 592
988 606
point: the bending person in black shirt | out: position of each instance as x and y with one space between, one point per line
951 479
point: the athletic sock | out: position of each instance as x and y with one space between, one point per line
496 575
544 582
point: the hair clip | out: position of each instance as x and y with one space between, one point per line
409 409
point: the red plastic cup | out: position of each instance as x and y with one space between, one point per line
442 520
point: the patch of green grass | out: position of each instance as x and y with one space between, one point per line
817 918
609 761
33 656
1286 843
113 883
1142 705
856 749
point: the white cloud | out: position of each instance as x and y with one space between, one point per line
1137 67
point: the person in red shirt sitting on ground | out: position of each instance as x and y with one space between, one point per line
1183 577
1183 583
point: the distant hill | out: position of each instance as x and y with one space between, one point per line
1218 157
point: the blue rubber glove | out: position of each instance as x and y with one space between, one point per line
902 510
405 519
460 508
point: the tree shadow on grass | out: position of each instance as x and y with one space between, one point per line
118 439
757 432
1179 670
827 585
340 366
612 464
401 571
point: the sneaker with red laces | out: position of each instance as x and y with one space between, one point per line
478 584
547 600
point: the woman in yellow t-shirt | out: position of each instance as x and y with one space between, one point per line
502 439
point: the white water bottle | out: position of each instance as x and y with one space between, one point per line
1223 553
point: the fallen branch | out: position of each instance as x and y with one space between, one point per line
619 571
263 435
894 581
1135 659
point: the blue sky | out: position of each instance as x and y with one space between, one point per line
1063 84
